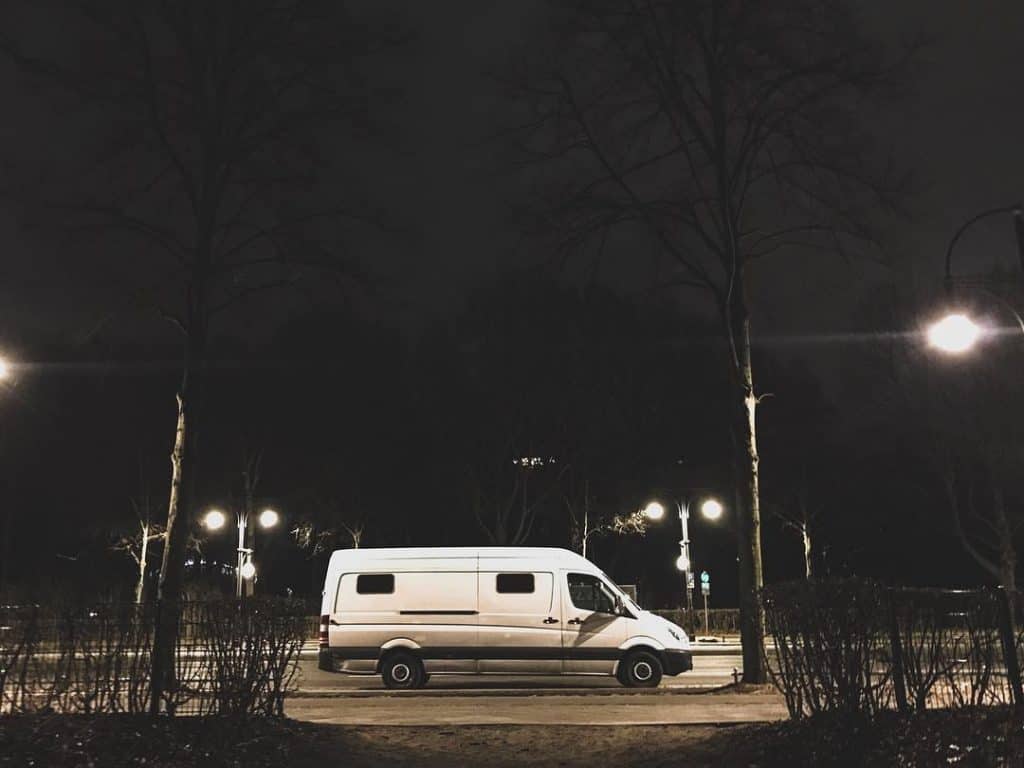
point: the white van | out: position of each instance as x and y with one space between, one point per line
409 613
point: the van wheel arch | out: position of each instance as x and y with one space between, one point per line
653 667
408 662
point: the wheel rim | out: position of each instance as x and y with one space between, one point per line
642 671
401 673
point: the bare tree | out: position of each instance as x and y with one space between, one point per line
586 523
210 117
136 545
507 489
329 524
723 133
798 515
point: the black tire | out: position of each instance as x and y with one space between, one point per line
620 673
402 671
640 669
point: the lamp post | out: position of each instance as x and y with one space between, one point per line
957 332
711 509
245 568
8 521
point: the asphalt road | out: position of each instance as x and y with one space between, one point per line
712 668
326 697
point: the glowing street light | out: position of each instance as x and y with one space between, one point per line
214 520
954 334
245 569
654 511
711 509
5 369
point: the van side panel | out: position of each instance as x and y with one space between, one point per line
434 611
520 632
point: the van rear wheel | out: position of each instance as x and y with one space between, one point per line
640 669
402 671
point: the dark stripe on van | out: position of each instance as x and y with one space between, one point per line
489 653
438 613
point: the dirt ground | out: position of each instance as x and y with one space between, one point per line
534 746
976 738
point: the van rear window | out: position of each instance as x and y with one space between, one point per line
375 583
515 583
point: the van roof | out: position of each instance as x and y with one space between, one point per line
370 554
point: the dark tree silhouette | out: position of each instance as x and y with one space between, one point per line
722 133
201 127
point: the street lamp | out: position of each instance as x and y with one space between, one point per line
711 509
654 511
954 334
5 369
245 568
214 520
957 332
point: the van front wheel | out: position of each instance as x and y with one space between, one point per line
640 669
402 671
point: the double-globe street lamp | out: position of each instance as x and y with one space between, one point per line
245 568
711 509
957 332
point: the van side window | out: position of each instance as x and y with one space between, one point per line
375 583
588 594
515 583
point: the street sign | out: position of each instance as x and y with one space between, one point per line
705 578
689 579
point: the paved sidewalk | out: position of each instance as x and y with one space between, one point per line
581 709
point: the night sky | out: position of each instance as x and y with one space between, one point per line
359 394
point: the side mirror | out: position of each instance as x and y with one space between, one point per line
620 607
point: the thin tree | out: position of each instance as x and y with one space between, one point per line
205 125
723 133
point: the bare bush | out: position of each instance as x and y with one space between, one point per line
855 646
232 658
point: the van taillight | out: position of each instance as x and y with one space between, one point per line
324 640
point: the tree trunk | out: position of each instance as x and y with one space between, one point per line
1007 554
748 529
806 531
184 461
140 587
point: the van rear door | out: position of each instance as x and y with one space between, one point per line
520 619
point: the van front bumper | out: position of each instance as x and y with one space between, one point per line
676 662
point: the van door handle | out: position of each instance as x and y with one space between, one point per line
574 621
550 620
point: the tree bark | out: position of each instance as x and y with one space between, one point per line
748 529
140 587
1007 554
808 568
184 462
